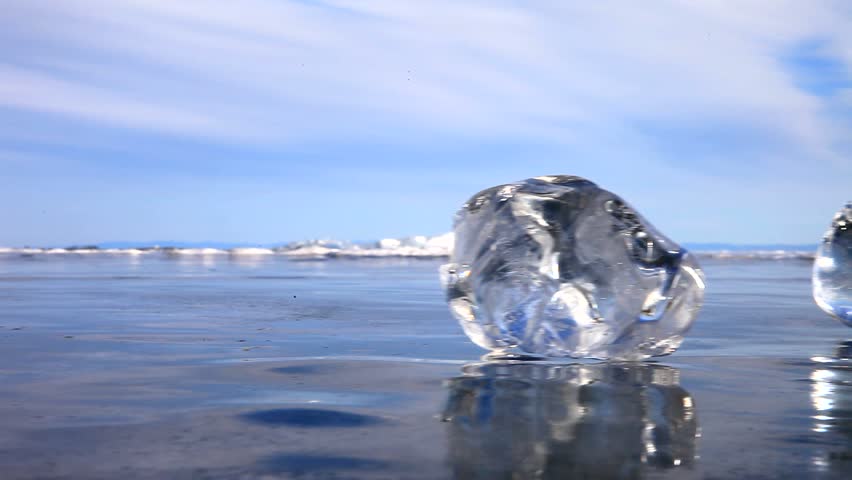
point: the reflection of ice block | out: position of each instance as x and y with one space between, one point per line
558 266
831 399
832 279
515 420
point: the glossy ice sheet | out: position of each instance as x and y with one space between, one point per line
708 417
212 369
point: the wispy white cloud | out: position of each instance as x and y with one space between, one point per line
275 71
30 90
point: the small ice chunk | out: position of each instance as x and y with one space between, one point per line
558 266
832 276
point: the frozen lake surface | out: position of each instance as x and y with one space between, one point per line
223 366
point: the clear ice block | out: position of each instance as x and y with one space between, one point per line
832 275
557 266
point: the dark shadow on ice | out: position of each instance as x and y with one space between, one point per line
297 465
310 418
521 420
843 351
301 369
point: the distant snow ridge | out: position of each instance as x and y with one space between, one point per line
409 247
417 247
757 254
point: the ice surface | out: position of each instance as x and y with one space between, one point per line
832 278
558 266
569 421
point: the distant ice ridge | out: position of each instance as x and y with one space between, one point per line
757 254
419 246
410 247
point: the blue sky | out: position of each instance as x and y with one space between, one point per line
265 121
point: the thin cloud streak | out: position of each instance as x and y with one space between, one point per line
283 71
362 119
29 90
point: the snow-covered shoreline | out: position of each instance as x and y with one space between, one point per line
411 247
